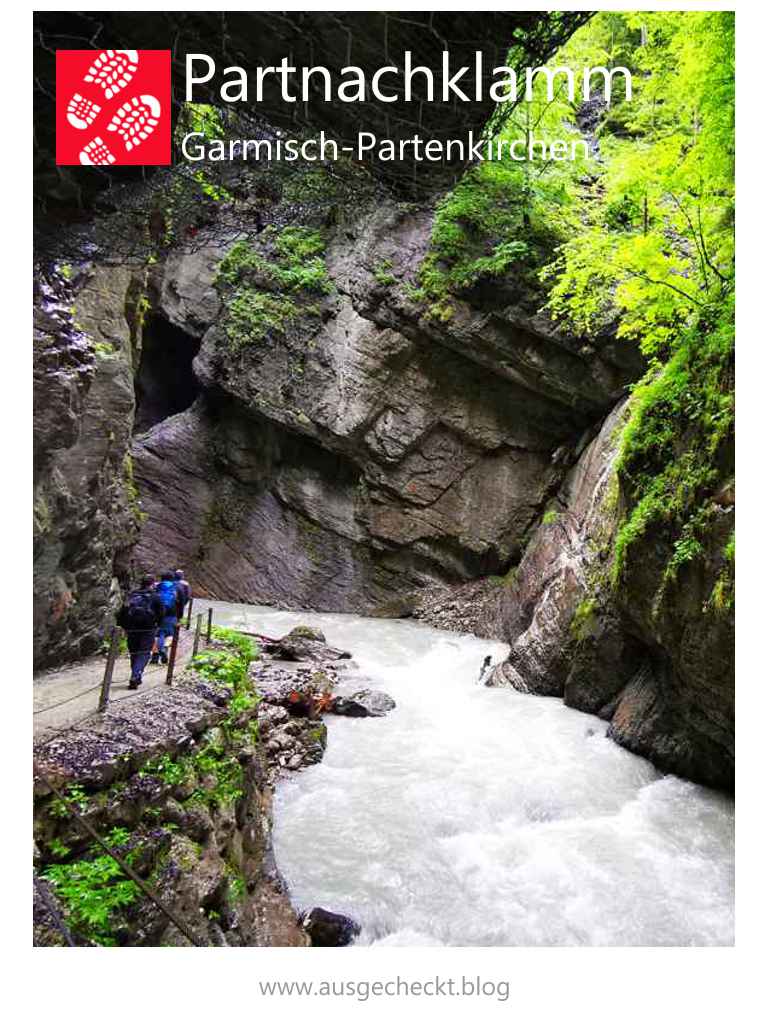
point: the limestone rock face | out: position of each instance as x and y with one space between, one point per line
84 499
541 598
365 451
680 708
368 458
651 657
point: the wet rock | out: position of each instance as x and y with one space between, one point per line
293 735
328 929
85 511
307 633
197 822
300 647
292 687
472 607
293 743
206 846
397 608
48 918
364 704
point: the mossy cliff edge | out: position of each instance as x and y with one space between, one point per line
178 782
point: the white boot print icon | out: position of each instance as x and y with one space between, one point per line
96 152
112 70
135 120
81 113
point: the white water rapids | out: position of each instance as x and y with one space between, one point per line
477 816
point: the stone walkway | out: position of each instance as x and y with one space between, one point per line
67 696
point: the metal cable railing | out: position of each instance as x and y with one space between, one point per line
201 635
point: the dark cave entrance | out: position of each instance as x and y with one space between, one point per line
165 382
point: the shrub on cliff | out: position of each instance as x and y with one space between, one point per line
266 289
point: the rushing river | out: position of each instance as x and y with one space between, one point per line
475 816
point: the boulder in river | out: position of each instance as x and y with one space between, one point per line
328 929
363 704
304 644
308 633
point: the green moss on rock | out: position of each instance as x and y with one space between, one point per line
678 446
584 619
267 289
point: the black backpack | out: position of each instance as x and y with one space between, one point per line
137 612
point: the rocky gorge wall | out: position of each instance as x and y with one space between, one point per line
86 345
178 783
153 821
365 450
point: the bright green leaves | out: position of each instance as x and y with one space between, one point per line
246 648
473 235
93 891
296 245
293 262
202 118
219 666
657 240
252 315
583 276
228 661
654 260
505 214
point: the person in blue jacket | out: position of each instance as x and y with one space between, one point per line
168 592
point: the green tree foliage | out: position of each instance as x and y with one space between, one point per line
656 245
202 118
655 257
505 213
639 241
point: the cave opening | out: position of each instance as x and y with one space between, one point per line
165 382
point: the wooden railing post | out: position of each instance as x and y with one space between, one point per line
198 630
172 656
189 612
210 625
109 668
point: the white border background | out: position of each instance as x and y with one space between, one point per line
598 984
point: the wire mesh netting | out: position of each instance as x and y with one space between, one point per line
334 41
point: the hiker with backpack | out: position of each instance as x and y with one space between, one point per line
140 616
168 594
184 591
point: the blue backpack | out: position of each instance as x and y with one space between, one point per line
168 595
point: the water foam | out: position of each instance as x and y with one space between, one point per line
472 816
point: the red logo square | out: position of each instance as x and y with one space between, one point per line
113 107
